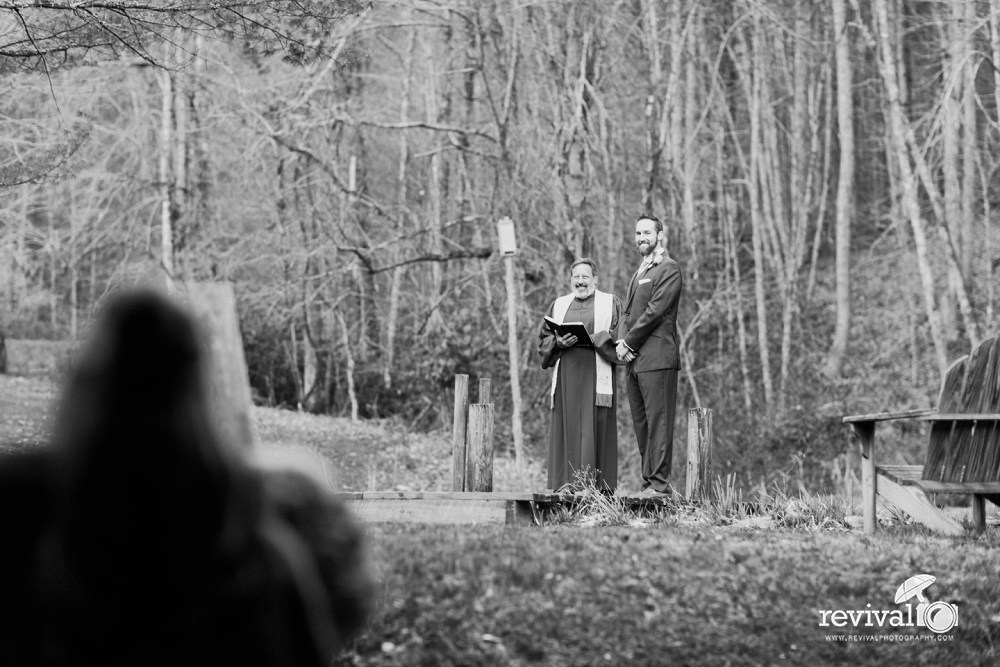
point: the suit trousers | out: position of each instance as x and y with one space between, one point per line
652 396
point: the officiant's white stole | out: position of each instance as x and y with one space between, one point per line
603 310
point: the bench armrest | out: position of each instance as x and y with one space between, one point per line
960 417
888 416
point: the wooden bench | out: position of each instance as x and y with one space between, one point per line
963 455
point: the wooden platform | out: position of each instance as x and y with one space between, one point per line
446 507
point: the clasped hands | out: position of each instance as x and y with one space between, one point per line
623 352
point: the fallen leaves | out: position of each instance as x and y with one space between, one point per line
663 595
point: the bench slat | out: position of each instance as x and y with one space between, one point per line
930 486
901 474
908 475
887 416
959 417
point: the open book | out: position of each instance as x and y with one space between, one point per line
583 338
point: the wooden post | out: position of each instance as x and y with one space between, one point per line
515 375
866 434
214 307
484 390
507 238
459 423
699 472
979 512
479 466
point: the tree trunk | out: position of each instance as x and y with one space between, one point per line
345 342
651 35
73 264
292 350
845 189
733 266
166 188
969 138
53 270
827 145
757 224
688 161
310 366
672 111
907 184
576 176
950 128
799 185
179 148
199 212
92 285
515 371
435 212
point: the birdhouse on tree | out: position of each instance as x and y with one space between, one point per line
505 232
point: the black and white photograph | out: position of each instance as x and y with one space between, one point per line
467 333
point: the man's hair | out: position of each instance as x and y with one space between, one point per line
585 260
654 219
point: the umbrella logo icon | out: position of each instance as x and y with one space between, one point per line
937 616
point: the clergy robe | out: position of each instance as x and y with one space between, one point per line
581 434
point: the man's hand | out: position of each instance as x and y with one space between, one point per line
569 340
623 352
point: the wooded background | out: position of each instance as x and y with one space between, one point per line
826 171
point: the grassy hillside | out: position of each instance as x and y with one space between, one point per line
367 455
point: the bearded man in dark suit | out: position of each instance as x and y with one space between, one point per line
649 343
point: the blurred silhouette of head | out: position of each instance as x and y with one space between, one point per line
140 465
165 540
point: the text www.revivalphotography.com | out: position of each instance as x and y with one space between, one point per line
900 638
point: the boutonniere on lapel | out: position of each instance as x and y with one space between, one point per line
657 259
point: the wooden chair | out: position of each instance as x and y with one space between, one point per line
963 455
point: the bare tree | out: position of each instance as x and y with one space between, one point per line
845 188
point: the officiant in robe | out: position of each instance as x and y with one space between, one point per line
583 433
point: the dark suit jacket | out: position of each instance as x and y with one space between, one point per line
651 317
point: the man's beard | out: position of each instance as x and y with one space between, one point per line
576 293
650 248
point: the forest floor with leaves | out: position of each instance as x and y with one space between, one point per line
363 456
668 595
600 586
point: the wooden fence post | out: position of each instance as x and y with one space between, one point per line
484 390
699 445
480 451
458 440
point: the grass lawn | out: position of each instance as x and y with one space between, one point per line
667 595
